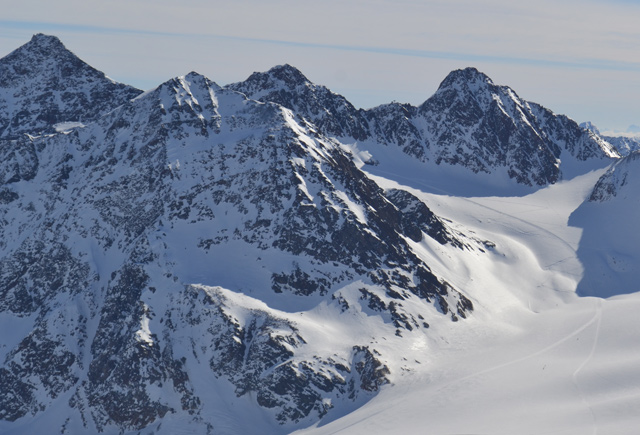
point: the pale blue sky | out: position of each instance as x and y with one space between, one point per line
580 58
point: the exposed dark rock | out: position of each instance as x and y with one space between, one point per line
331 113
43 84
106 230
469 122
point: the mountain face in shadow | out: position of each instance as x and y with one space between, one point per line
609 245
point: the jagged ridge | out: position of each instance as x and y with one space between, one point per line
469 122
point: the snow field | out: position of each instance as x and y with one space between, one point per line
534 357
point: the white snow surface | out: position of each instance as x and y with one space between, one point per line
568 370
63 127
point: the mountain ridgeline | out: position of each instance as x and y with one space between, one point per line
168 253
469 122
625 145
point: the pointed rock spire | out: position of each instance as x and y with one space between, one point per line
466 77
43 84
333 114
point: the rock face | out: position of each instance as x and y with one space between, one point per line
621 178
42 84
469 122
331 113
172 246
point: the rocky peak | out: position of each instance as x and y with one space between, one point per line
43 84
589 126
44 44
470 94
288 75
468 78
44 56
472 122
283 78
192 89
39 51
287 86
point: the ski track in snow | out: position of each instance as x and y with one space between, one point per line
598 319
369 421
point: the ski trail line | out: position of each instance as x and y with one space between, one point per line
586 361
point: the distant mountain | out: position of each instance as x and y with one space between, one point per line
589 126
633 129
469 122
42 84
624 145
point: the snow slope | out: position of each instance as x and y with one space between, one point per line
569 370
609 244
535 357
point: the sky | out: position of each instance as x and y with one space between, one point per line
576 57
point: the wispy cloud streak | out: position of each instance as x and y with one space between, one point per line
578 63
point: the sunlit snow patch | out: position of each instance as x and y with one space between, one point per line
64 127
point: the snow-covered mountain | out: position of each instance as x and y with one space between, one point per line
624 144
181 236
221 260
44 85
469 122
331 113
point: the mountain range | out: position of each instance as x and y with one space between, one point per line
263 257
469 122
625 145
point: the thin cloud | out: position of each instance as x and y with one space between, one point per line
587 63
